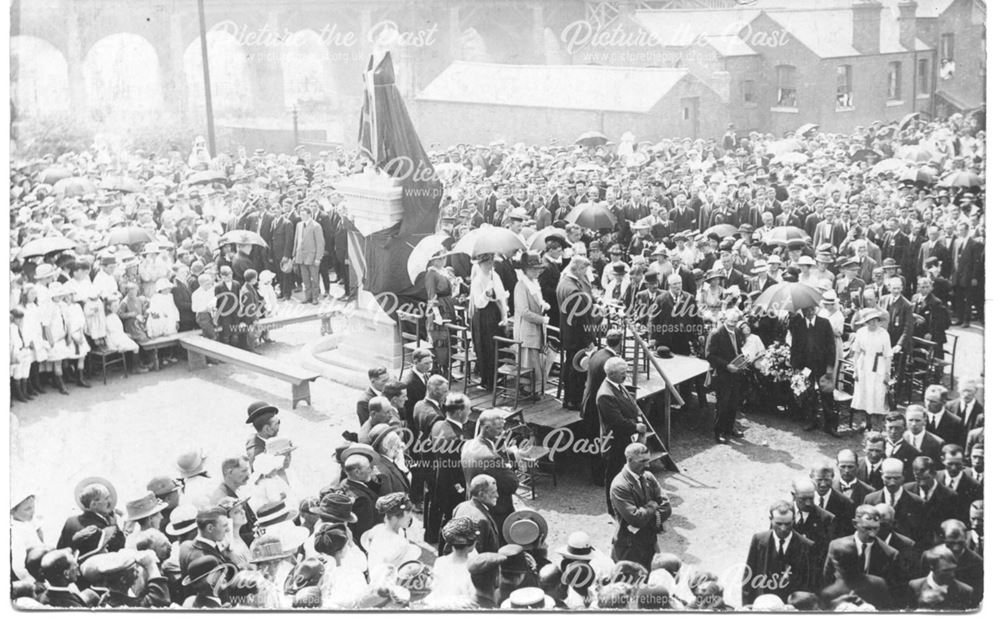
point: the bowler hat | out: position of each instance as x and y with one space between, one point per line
260 409
889 263
204 566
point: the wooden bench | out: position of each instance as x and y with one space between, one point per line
199 348
276 322
164 341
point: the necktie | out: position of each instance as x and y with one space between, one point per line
822 502
953 484
892 499
781 549
802 518
864 556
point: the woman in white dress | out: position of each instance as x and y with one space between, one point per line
31 331
117 339
25 534
386 543
163 316
831 310
871 353
56 336
452 586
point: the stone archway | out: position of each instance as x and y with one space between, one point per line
39 82
122 76
229 71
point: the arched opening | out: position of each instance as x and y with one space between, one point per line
122 74
229 72
308 72
39 82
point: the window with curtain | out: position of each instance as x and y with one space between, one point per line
786 79
845 87
895 75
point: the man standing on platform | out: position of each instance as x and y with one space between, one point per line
621 424
308 252
591 426
722 348
576 324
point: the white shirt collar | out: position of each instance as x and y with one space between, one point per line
933 584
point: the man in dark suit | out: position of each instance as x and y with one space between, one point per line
639 507
98 508
931 316
908 561
730 275
282 247
760 280
940 421
908 507
849 578
780 560
966 407
917 435
621 423
415 380
933 248
181 292
896 445
870 466
426 412
848 483
970 570
377 378
591 427
832 501
939 503
900 325
811 521
723 345
61 571
894 242
875 556
481 509
358 482
959 480
940 589
482 456
967 255
214 527
813 346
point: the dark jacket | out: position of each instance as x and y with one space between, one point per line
764 572
85 519
629 499
812 348
363 508
909 511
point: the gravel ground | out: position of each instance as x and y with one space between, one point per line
133 429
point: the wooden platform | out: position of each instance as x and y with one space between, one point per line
547 412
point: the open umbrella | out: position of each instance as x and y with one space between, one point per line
537 241
592 138
74 186
865 154
785 235
207 177
788 297
489 239
916 154
419 257
889 166
791 158
805 129
722 230
125 184
45 245
54 174
908 119
591 215
923 174
128 236
962 179
241 237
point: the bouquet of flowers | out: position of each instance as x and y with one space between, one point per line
800 382
774 363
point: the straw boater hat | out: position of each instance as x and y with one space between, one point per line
183 519
90 480
577 547
829 298
528 599
759 266
806 260
525 527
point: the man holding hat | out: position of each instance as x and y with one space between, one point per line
266 423
118 572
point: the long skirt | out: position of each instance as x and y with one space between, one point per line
485 324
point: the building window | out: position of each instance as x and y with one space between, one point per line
923 77
895 75
687 113
786 86
845 87
946 52
749 92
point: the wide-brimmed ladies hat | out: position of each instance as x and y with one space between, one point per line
872 313
335 507
531 259
78 490
525 527
269 548
713 274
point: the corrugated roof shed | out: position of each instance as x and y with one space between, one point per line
583 87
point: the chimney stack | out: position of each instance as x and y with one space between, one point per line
867 18
907 24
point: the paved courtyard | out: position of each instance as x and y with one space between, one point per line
132 429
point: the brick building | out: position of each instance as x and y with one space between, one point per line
481 102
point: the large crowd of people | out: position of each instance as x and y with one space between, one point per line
865 247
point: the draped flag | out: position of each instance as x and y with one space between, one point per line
386 136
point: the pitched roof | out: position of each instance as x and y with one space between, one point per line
813 27
582 87
683 28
